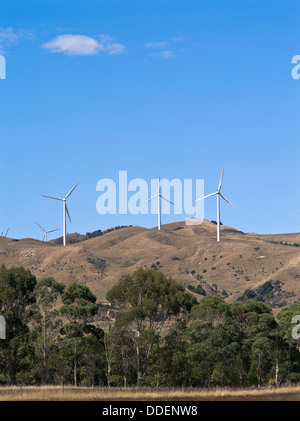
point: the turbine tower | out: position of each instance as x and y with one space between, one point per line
159 196
46 232
65 210
218 193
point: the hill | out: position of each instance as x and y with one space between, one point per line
242 265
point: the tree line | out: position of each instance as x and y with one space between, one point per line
156 334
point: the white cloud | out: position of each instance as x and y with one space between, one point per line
111 47
156 44
165 49
115 49
10 36
82 45
165 54
74 45
178 39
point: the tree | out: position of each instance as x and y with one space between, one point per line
213 342
231 341
149 299
16 296
47 291
169 365
284 317
210 312
122 354
250 319
79 305
93 357
281 355
261 352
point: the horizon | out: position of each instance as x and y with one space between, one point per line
140 226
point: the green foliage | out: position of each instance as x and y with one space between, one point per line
270 293
46 322
99 233
150 295
224 293
16 296
78 302
160 335
284 243
93 234
197 290
98 263
79 305
150 299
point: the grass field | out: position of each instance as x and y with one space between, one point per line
69 393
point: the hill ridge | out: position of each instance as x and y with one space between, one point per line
188 253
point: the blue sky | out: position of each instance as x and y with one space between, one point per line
176 88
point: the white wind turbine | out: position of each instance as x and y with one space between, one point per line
65 210
218 193
46 231
159 196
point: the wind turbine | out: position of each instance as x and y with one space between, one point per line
65 210
218 193
45 231
159 196
5 233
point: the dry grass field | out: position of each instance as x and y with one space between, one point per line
69 393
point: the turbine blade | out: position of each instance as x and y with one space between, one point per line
205 197
57 229
71 191
167 200
40 227
52 197
6 232
227 200
68 213
221 179
151 199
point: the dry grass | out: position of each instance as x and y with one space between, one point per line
69 393
243 255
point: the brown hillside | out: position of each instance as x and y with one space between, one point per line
188 253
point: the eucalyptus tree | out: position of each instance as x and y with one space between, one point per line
47 291
149 299
16 297
79 305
